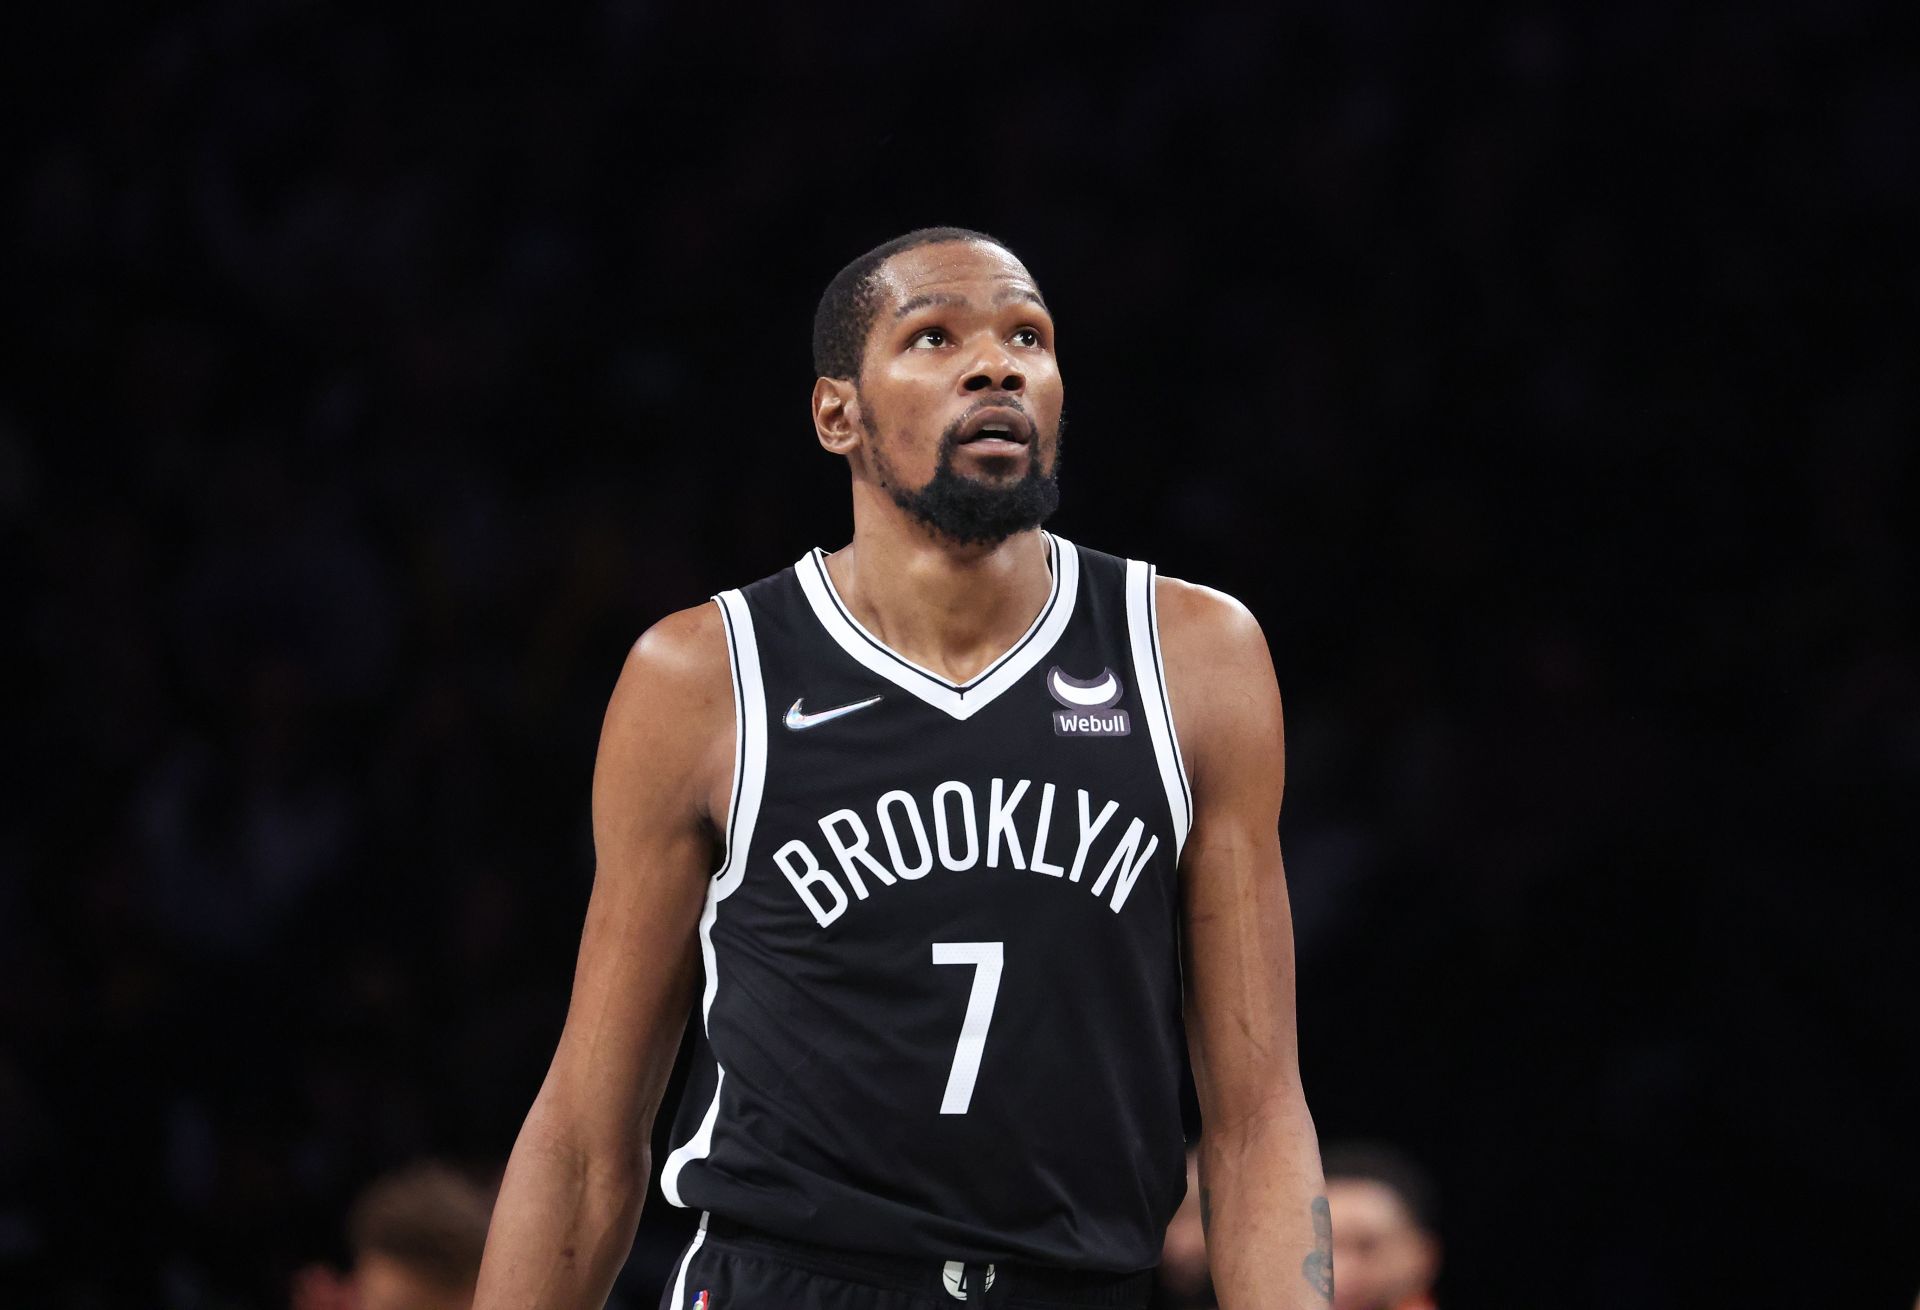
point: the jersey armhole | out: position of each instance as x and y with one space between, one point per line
1149 676
749 782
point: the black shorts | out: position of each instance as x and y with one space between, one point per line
737 1268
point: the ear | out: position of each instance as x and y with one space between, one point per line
836 415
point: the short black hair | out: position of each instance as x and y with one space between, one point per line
845 313
427 1217
1376 1162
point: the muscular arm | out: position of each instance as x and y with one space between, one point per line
1262 1202
570 1199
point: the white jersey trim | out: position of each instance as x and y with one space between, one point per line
749 783
680 1278
960 700
1149 675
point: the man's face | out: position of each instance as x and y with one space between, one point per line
959 394
1381 1258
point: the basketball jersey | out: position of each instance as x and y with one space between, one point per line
942 1007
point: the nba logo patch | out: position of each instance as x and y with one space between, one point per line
702 1301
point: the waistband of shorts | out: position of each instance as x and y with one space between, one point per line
1013 1280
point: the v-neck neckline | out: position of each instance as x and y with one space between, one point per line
961 700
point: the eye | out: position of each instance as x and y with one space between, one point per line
928 337
1026 336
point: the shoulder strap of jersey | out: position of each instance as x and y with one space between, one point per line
1149 675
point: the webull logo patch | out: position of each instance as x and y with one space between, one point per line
1090 705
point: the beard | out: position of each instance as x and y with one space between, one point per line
968 510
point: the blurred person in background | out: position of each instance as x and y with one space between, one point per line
1386 1247
416 1238
1386 1244
1183 1281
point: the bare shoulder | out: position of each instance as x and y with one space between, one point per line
685 649
669 724
1209 636
1220 678
1205 617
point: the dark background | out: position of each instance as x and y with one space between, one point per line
1544 379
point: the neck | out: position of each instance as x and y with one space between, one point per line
952 609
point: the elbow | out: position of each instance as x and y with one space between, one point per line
608 1165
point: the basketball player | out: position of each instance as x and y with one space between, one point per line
948 839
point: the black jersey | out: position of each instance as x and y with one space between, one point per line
942 1013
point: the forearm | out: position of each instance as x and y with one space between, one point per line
562 1226
1263 1204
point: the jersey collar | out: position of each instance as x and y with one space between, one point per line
961 700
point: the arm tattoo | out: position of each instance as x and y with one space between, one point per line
1317 1268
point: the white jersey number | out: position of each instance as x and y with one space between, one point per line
986 959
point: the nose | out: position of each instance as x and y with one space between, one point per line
993 367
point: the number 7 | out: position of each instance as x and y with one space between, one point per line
986 957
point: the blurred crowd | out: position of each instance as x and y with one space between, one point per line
1544 380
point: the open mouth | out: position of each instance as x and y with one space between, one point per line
996 431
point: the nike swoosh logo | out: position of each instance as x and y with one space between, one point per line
1070 691
801 722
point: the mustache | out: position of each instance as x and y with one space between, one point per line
950 436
